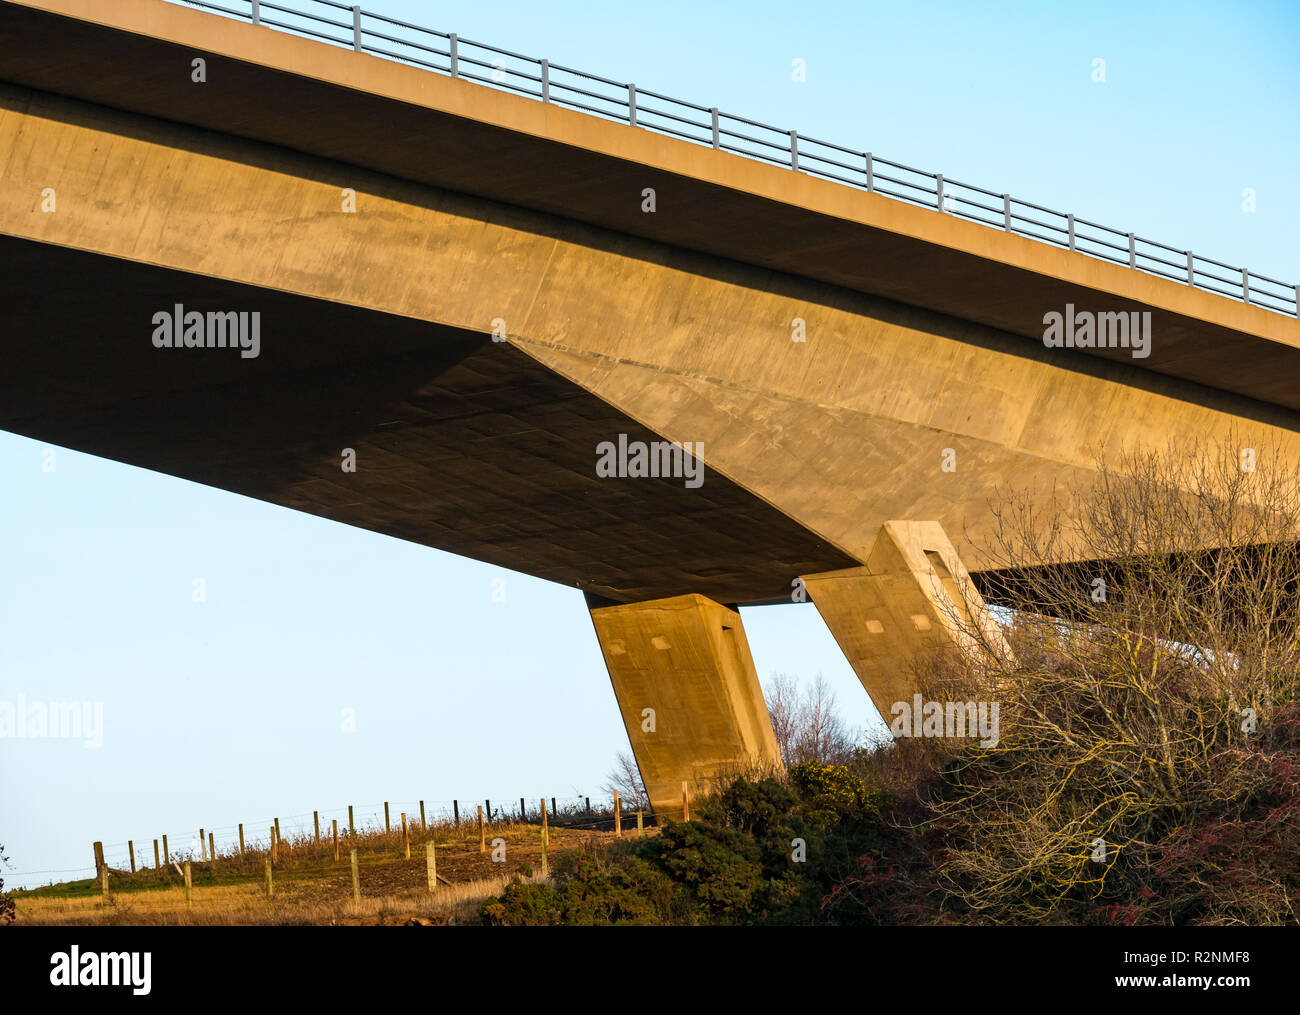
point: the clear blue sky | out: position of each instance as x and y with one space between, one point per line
230 710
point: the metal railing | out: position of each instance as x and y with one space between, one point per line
448 53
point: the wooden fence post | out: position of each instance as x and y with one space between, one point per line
552 806
212 851
639 830
336 840
99 856
189 887
455 812
241 842
270 885
489 811
431 862
275 856
588 799
156 862
482 834
686 802
130 845
406 837
167 856
277 831
423 825
618 817
356 880
203 845
387 826
545 836
315 817
521 810
352 828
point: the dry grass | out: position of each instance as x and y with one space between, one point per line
310 887
247 905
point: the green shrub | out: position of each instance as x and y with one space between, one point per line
628 891
590 889
734 864
721 866
523 904
832 792
759 808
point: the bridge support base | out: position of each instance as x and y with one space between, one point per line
690 698
912 597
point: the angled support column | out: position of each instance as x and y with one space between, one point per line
912 596
690 698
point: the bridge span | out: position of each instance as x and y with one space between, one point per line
474 291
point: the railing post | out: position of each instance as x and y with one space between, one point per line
1069 224
257 11
1006 212
717 134
871 179
631 105
356 29
1132 251
1245 285
1297 301
455 58
794 149
1191 272
546 80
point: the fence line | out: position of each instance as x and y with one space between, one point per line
448 53
203 845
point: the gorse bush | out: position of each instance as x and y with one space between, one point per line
589 889
832 792
761 851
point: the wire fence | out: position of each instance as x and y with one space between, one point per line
358 821
448 53
416 864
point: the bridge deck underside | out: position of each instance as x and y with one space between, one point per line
462 443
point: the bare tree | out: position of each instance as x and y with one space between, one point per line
1148 703
806 722
626 778
7 907
782 694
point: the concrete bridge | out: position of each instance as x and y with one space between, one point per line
468 290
